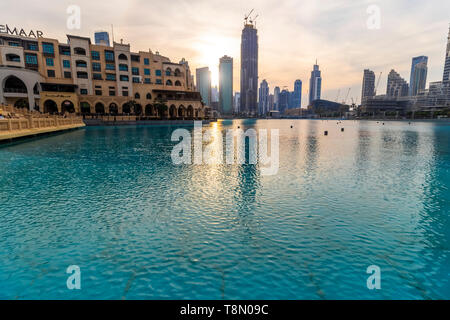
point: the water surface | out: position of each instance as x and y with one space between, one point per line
109 200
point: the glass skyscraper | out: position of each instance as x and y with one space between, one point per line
368 86
418 79
249 70
203 83
226 85
102 38
297 98
263 98
315 84
447 60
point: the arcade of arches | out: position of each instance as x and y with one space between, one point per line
25 93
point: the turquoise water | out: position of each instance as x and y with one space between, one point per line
109 200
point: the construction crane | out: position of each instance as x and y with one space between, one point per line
339 93
346 97
254 19
378 83
248 16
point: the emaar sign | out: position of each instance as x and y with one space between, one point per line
4 28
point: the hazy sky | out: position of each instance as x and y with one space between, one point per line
292 34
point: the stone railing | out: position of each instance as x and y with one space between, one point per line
37 123
14 119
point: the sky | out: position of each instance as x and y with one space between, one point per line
345 36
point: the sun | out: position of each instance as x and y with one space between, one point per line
211 49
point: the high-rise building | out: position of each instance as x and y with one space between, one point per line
203 83
283 101
276 98
368 86
396 86
226 85
263 104
447 60
418 78
271 108
249 69
236 102
315 84
214 94
297 99
102 38
291 100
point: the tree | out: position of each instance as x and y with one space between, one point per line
162 107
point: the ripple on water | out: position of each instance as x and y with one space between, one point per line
110 201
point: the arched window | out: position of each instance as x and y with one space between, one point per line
149 96
85 107
178 83
173 111
137 96
168 72
149 110
67 106
99 108
36 88
181 111
50 107
126 108
14 84
79 51
177 72
113 109
190 111
137 109
169 83
122 57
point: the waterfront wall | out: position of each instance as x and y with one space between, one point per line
19 123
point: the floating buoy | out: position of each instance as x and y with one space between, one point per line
383 123
292 127
342 129
325 133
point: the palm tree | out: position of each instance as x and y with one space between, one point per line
162 107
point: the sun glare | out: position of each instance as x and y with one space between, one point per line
211 49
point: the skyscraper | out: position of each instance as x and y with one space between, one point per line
276 98
263 104
214 94
396 86
418 79
283 101
368 86
297 102
102 38
315 84
249 69
236 102
447 60
203 83
226 85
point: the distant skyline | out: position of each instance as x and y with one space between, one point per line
292 34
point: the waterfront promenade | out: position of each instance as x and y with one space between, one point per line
20 123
